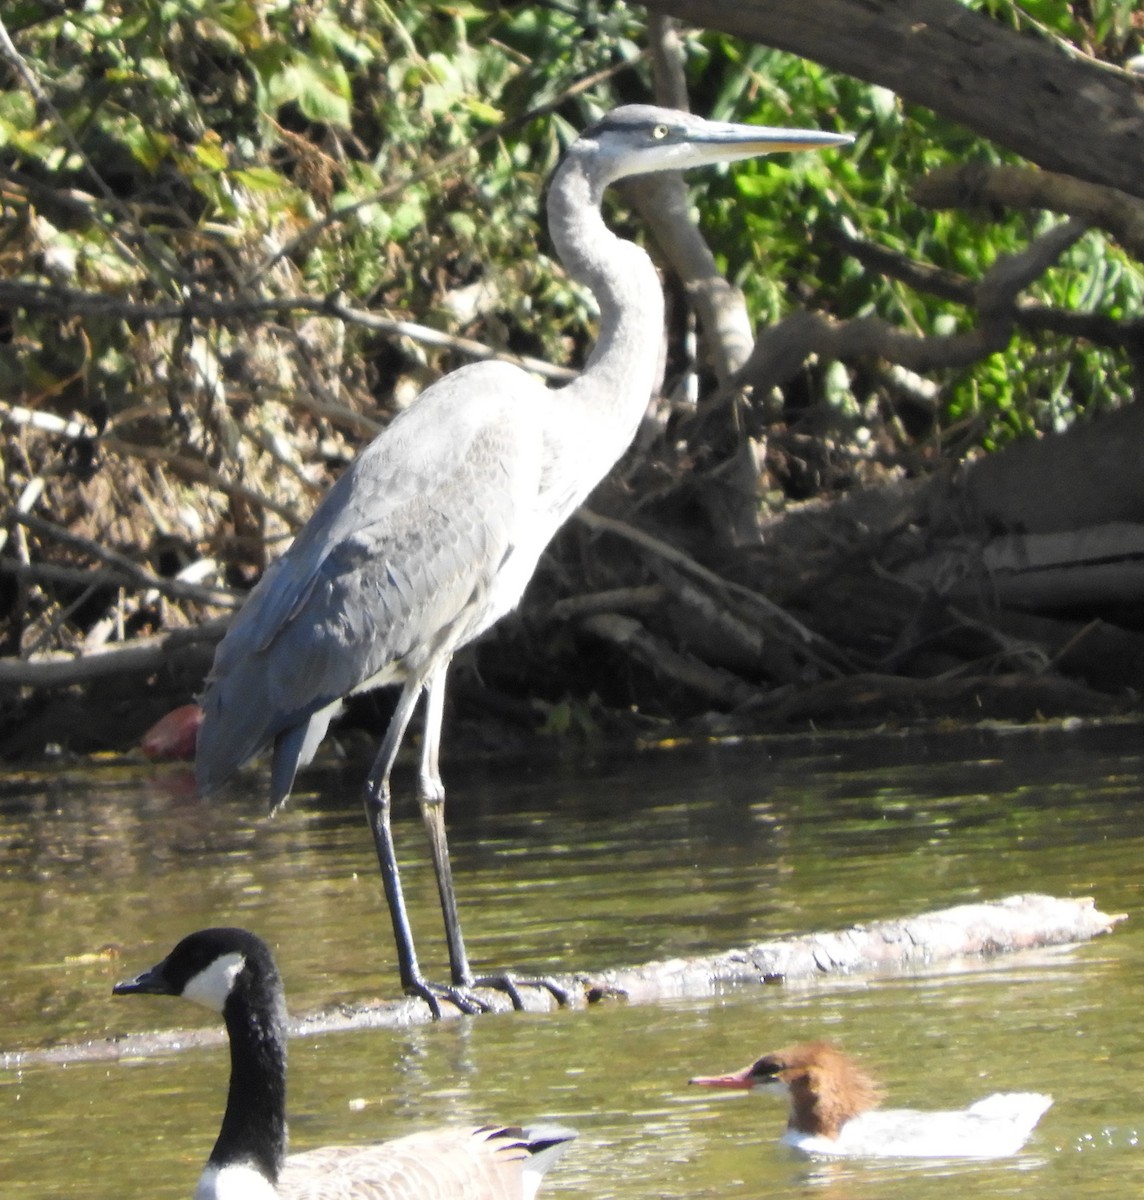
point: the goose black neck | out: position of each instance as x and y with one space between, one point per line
254 1127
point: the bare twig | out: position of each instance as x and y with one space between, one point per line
434 337
28 500
124 567
20 417
71 302
114 576
191 468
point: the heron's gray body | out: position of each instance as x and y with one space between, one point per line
399 566
433 532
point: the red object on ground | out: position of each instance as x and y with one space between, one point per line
174 736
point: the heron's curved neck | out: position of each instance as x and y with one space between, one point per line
623 368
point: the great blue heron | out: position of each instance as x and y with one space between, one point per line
432 533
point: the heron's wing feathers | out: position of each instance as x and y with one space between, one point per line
398 565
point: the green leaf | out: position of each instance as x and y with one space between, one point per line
261 179
209 154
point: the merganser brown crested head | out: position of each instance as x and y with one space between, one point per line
827 1087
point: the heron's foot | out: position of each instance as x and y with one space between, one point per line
459 994
511 984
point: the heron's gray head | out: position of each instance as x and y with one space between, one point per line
638 139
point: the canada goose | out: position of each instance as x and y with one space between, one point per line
233 972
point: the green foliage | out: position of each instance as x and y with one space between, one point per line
366 141
392 153
790 206
1101 27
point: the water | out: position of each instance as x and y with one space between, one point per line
579 865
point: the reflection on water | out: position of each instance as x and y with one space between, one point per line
580 866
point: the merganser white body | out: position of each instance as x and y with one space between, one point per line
834 1111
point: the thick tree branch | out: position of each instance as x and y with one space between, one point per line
1021 90
975 185
141 656
782 349
1097 328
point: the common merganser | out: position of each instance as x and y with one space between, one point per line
232 972
834 1111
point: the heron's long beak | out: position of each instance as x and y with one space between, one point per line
729 143
737 1079
761 139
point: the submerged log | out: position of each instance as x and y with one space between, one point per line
904 944
1022 922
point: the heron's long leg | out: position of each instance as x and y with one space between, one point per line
433 814
377 807
432 798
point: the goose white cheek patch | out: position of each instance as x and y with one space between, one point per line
212 985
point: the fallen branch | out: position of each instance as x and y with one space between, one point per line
881 698
813 645
1023 922
139 656
922 943
638 643
622 599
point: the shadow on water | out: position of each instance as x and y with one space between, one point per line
578 865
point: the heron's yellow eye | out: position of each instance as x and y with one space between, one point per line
659 132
